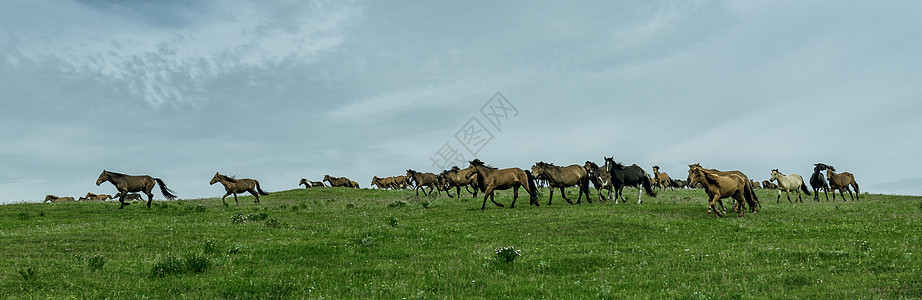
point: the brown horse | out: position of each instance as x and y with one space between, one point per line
562 177
133 184
661 180
840 182
382 183
752 208
421 179
456 178
234 186
338 181
724 186
755 184
768 185
400 182
56 199
600 180
94 197
492 179
309 184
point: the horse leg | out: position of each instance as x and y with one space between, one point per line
225 196
739 200
563 193
778 200
236 203
253 192
713 205
639 194
150 198
121 199
551 198
515 195
849 190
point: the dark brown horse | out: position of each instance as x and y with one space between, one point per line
338 181
309 184
421 179
234 186
493 179
600 179
724 186
133 184
562 177
457 178
768 185
738 173
634 175
818 182
842 182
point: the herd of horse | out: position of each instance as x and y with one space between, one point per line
480 177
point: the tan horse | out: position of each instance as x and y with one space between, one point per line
789 183
457 177
400 182
493 179
309 184
421 179
338 181
755 184
56 199
752 208
661 179
234 186
600 179
94 197
132 184
382 183
724 186
840 182
562 177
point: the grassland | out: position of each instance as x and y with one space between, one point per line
344 243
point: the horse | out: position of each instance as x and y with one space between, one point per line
129 197
562 177
234 186
661 180
600 180
752 208
768 185
422 179
56 199
94 197
633 175
492 179
723 186
382 183
400 182
309 184
132 184
457 177
337 181
840 182
354 184
789 183
755 184
817 182
680 183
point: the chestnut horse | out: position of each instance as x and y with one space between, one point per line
600 180
456 177
661 180
133 184
339 181
840 182
493 179
562 177
723 186
789 183
752 208
234 186
56 199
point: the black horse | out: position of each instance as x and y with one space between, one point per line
818 181
633 175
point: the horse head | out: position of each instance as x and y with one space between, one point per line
214 179
102 177
326 178
304 182
775 175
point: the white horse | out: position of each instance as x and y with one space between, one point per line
789 183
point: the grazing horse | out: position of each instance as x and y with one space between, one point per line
723 186
633 175
492 179
840 182
56 199
234 186
752 208
817 182
309 184
768 185
422 179
789 183
600 180
755 184
457 177
94 197
562 177
338 181
661 180
133 184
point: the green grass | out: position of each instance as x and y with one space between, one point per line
345 243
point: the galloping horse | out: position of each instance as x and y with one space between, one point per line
338 181
817 181
840 182
562 177
133 184
456 177
234 186
789 183
400 182
56 199
493 179
422 179
382 183
94 197
661 180
633 175
752 208
723 186
309 184
600 180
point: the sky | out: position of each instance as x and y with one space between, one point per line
284 90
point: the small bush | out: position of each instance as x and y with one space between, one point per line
175 266
507 254
350 205
257 217
426 204
96 262
209 247
238 218
397 203
23 216
28 274
392 221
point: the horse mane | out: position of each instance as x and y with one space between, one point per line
116 174
617 165
228 178
592 164
478 162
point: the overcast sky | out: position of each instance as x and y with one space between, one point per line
283 90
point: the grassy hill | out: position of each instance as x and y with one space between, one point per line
345 243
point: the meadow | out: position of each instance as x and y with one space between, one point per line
347 243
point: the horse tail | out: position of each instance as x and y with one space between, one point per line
258 189
167 193
750 195
803 187
857 191
532 189
648 186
